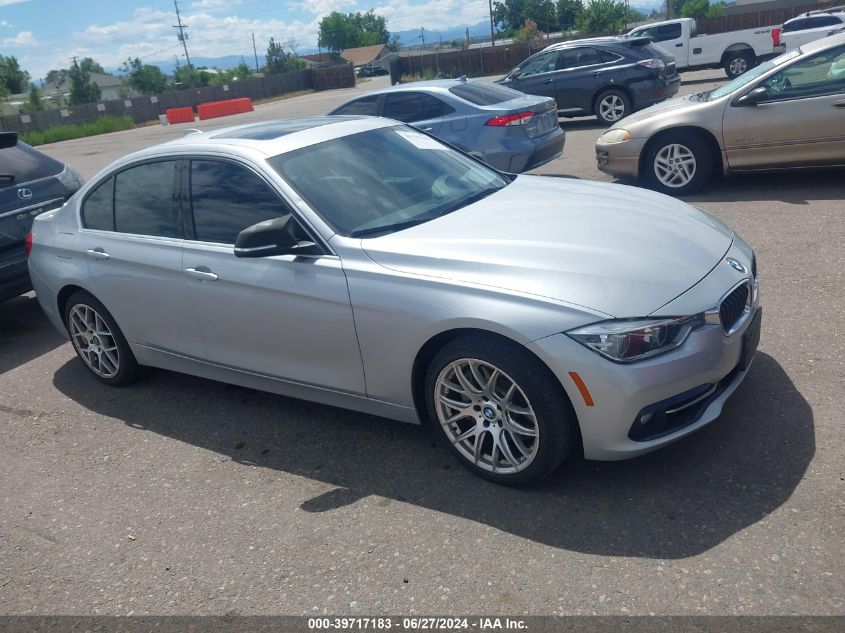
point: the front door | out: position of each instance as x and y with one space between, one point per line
283 316
801 120
538 76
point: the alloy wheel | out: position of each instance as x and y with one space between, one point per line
487 416
738 66
674 165
612 107
94 341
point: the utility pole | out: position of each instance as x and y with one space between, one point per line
183 37
492 32
422 36
255 52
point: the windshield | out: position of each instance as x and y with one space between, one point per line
751 75
384 180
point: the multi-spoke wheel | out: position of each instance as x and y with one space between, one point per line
737 63
678 163
499 410
611 106
98 341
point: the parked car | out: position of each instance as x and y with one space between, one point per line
811 26
370 71
30 183
506 129
360 263
735 51
609 77
786 113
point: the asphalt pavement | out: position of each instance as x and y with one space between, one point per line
185 496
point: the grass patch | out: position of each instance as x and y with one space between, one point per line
103 125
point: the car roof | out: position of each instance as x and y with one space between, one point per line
268 138
823 43
607 40
434 85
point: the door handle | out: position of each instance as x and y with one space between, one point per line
427 129
548 81
97 253
679 45
202 273
596 73
838 104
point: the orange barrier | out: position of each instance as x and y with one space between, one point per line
215 109
180 115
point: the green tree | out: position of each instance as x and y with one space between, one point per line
340 31
510 15
603 16
394 43
12 77
716 10
33 101
693 9
568 12
242 71
280 60
82 89
528 33
144 78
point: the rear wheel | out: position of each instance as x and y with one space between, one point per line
98 340
612 105
738 63
500 413
679 163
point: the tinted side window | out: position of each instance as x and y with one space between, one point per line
403 106
26 164
227 198
98 211
667 32
143 200
826 20
432 107
606 56
577 57
542 63
365 105
796 25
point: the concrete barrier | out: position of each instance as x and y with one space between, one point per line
228 107
180 115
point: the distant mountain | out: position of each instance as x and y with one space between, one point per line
412 37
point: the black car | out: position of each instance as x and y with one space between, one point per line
371 71
609 77
30 183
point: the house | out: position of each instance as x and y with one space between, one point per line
364 55
111 87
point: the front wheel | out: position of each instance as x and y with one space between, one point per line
678 164
500 413
738 63
612 106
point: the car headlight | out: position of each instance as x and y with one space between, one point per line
629 340
70 178
615 136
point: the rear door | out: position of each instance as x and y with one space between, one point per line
801 122
132 238
584 69
419 109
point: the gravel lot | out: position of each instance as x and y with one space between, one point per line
180 495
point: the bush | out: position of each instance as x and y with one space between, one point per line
103 125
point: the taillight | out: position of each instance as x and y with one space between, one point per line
776 37
511 119
654 64
27 244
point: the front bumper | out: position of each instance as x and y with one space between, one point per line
620 159
691 382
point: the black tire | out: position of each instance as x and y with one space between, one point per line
555 421
127 367
612 106
699 148
737 63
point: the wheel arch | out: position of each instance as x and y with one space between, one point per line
432 345
65 294
704 133
620 87
740 47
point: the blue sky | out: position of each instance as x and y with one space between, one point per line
45 34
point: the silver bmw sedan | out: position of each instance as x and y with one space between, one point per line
361 263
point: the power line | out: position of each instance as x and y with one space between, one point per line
183 37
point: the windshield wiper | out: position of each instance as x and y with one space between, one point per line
389 228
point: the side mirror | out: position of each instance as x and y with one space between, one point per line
514 75
8 139
279 236
754 97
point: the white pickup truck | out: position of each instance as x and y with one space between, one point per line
736 51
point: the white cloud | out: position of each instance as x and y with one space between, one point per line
402 15
3 3
213 4
324 7
3 23
24 38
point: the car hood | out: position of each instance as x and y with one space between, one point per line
671 106
615 249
